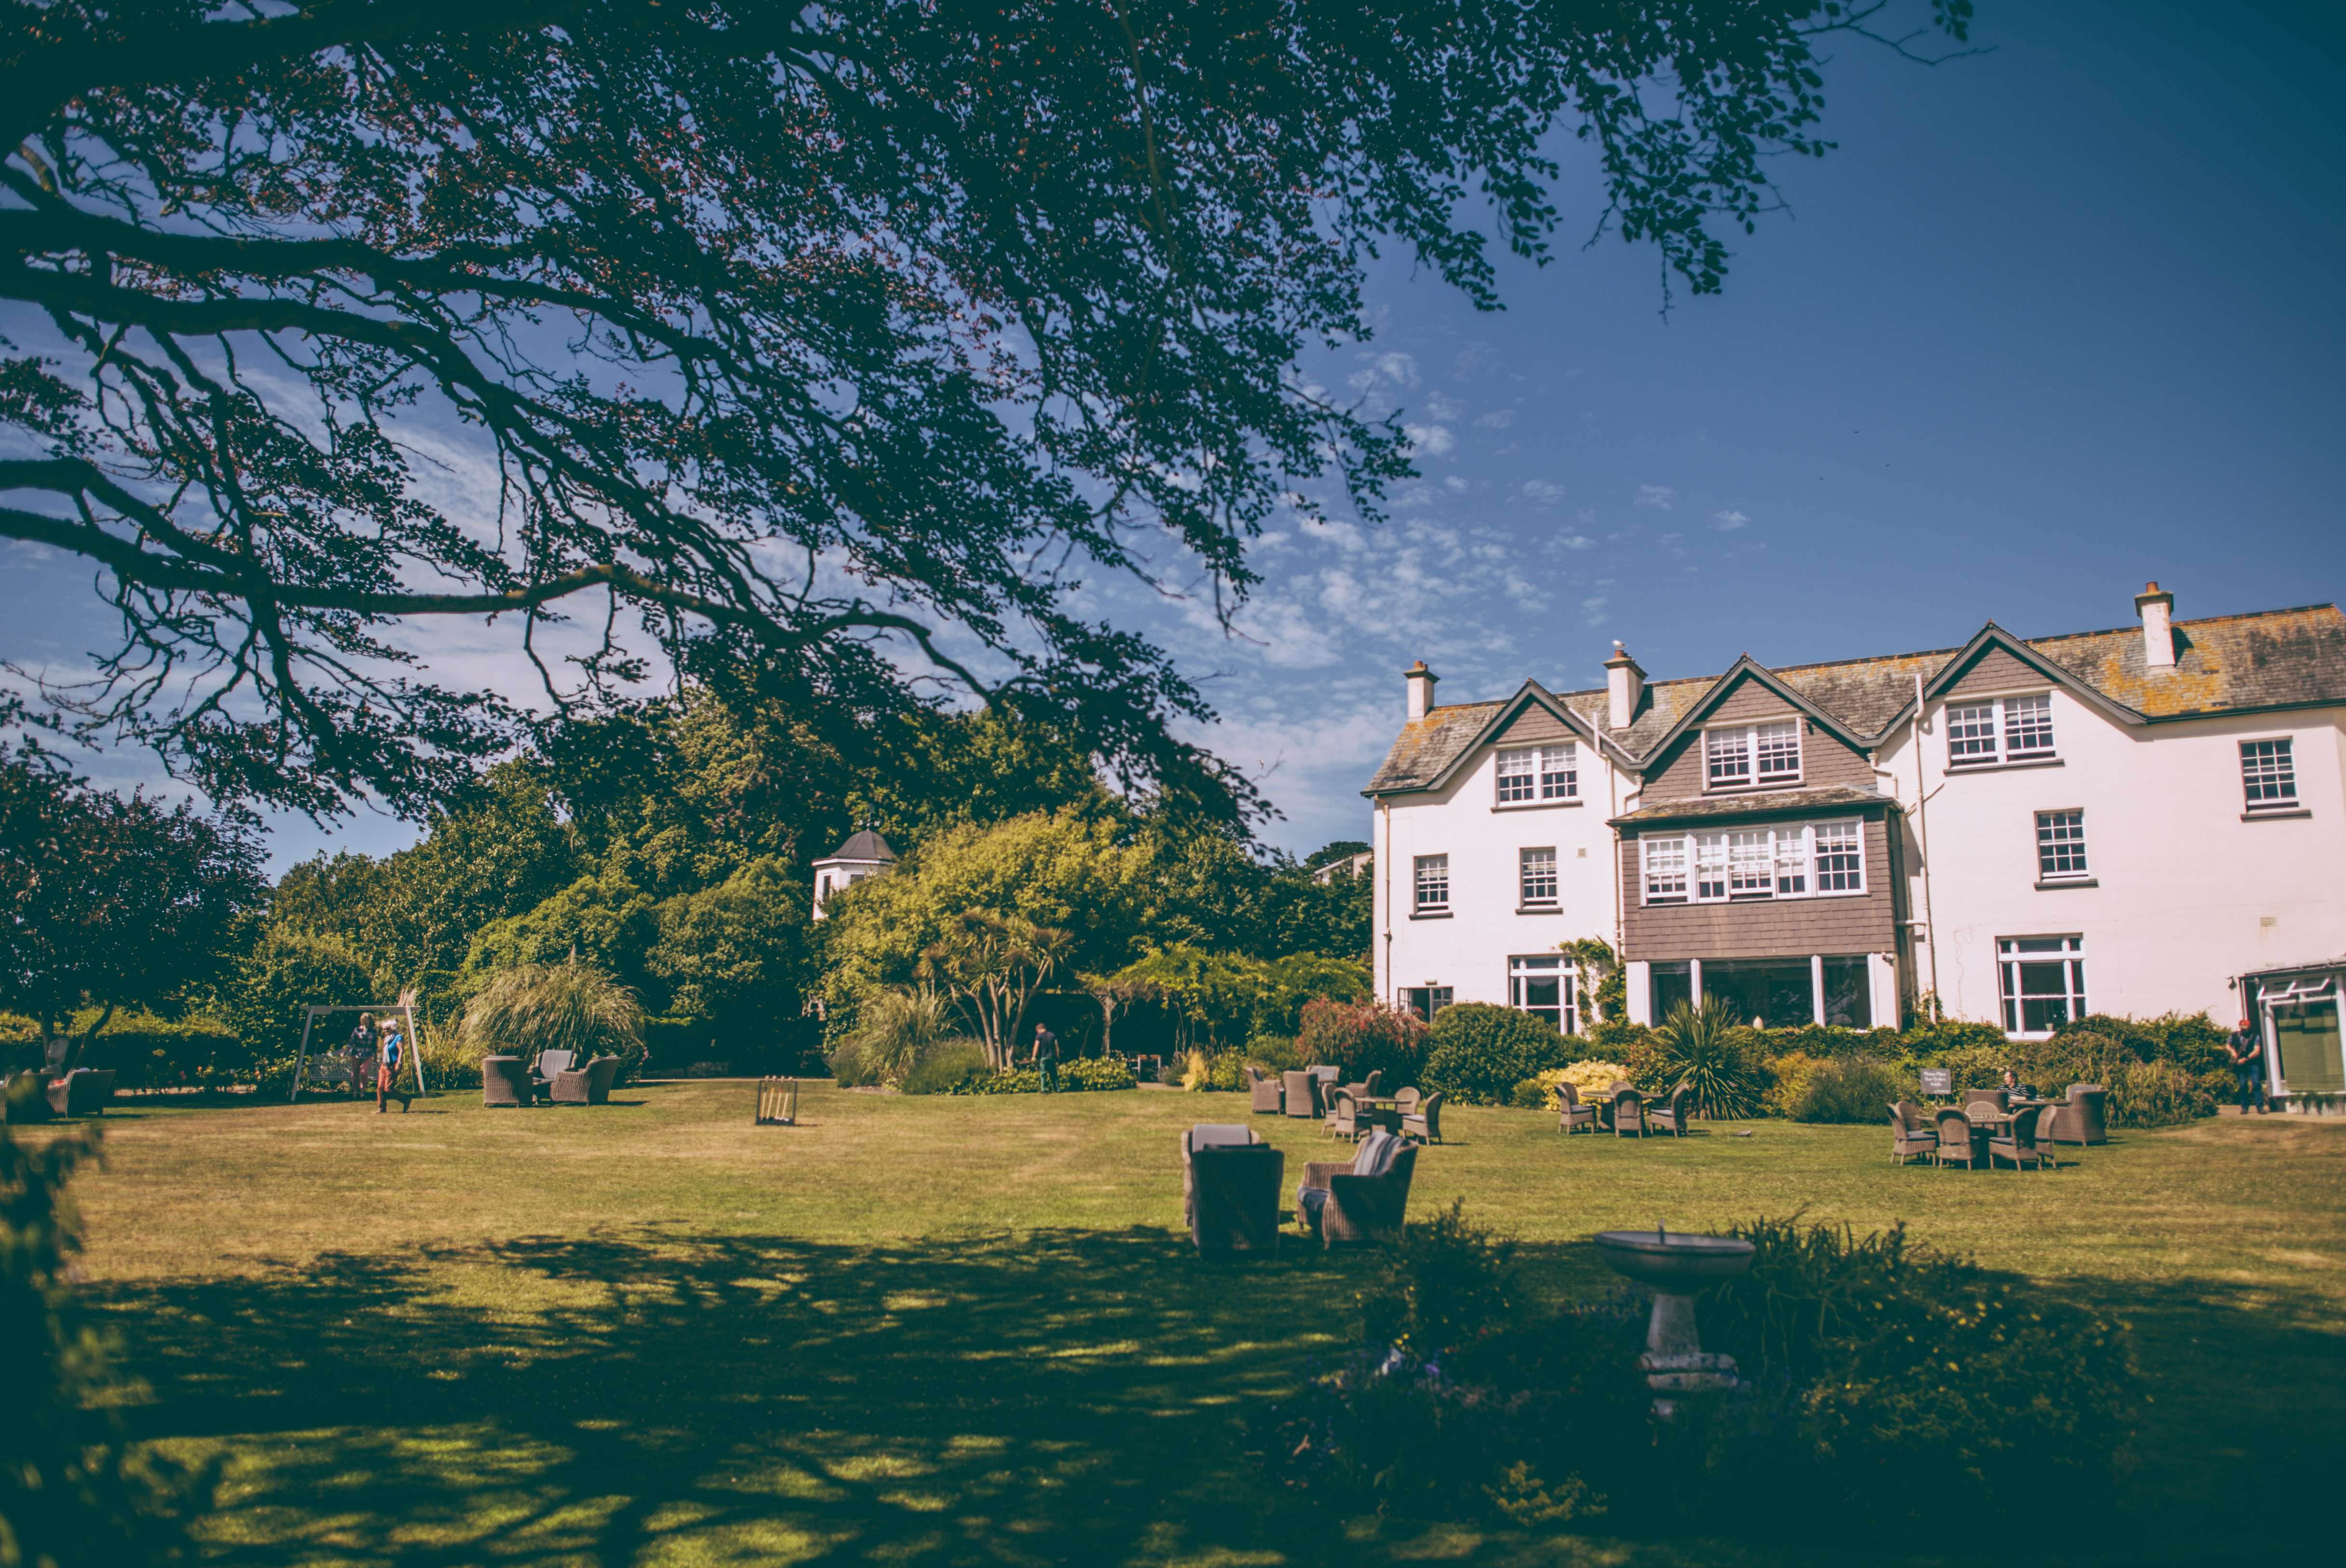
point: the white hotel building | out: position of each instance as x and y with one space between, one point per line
2138 822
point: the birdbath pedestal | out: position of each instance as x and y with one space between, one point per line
1677 1266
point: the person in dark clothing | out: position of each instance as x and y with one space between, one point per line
1047 1058
2247 1055
359 1055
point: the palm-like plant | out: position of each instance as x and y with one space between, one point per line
572 1006
1700 1049
895 1028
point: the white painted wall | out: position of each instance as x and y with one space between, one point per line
2188 895
1469 951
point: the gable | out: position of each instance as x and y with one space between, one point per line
1536 723
1996 669
1748 699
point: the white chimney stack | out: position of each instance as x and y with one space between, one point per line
2157 612
1624 682
1420 688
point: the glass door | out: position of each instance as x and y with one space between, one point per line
2306 1039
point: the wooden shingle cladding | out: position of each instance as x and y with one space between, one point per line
1534 725
1767 928
1678 771
1996 669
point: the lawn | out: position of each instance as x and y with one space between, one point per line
967 1330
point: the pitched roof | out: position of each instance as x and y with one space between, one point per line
2224 663
865 845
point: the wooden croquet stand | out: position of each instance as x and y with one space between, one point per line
778 1101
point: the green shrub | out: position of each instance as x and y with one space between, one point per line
537 1007
893 1028
1084 1074
1359 1039
1277 1054
146 1050
1823 1041
1975 1066
678 1043
2156 1095
1448 1284
1534 1093
1701 1050
848 1070
1852 1090
1788 1076
286 969
1477 1053
945 1067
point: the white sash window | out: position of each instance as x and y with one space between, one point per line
2268 774
1751 754
1539 876
1788 860
1532 773
2016 729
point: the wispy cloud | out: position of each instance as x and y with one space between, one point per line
1657 496
1543 492
1498 418
1594 609
1728 522
1433 440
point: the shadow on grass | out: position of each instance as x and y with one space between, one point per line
652 1396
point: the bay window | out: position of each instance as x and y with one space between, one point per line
1785 861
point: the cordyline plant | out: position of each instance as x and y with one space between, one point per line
537 1007
817 338
1702 1049
993 964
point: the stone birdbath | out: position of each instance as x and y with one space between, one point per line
1677 1266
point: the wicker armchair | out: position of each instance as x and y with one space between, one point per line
1300 1093
1233 1198
1997 1100
550 1065
1673 1117
1208 1135
1368 1208
2017 1142
587 1085
2082 1120
1343 1115
1405 1099
1908 1136
1266 1094
83 1092
504 1081
1573 1113
1628 1113
1955 1147
1423 1123
1369 1089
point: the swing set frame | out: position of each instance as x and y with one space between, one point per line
311 1011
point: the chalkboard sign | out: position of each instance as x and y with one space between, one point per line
1938 1081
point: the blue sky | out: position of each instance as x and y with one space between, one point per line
2055 320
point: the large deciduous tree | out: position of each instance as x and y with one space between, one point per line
841 341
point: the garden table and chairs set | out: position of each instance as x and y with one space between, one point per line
1346 1110
1991 1125
1622 1110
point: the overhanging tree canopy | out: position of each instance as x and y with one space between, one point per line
827 337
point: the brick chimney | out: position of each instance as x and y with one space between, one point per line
1624 682
1420 688
2157 613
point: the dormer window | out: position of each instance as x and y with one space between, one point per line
2016 729
1752 754
1529 775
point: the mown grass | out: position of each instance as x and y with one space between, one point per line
941 1331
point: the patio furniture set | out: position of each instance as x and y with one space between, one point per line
1622 1110
1233 1184
509 1081
1346 1110
1993 1125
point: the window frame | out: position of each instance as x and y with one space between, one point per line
1568 1002
1706 866
1419 865
2075 846
2284 775
1523 863
2012 1000
1751 742
1548 774
2001 723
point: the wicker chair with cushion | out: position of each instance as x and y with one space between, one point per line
1673 1118
549 1066
1424 1122
1369 1089
2081 1121
1572 1112
1405 1099
82 1092
1266 1094
1628 1113
1343 1115
1908 1136
2017 1141
1368 1208
1208 1135
504 1081
1997 1100
1233 1202
1956 1147
1300 1093
587 1085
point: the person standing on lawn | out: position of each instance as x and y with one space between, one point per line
2247 1055
360 1054
386 1077
1047 1058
